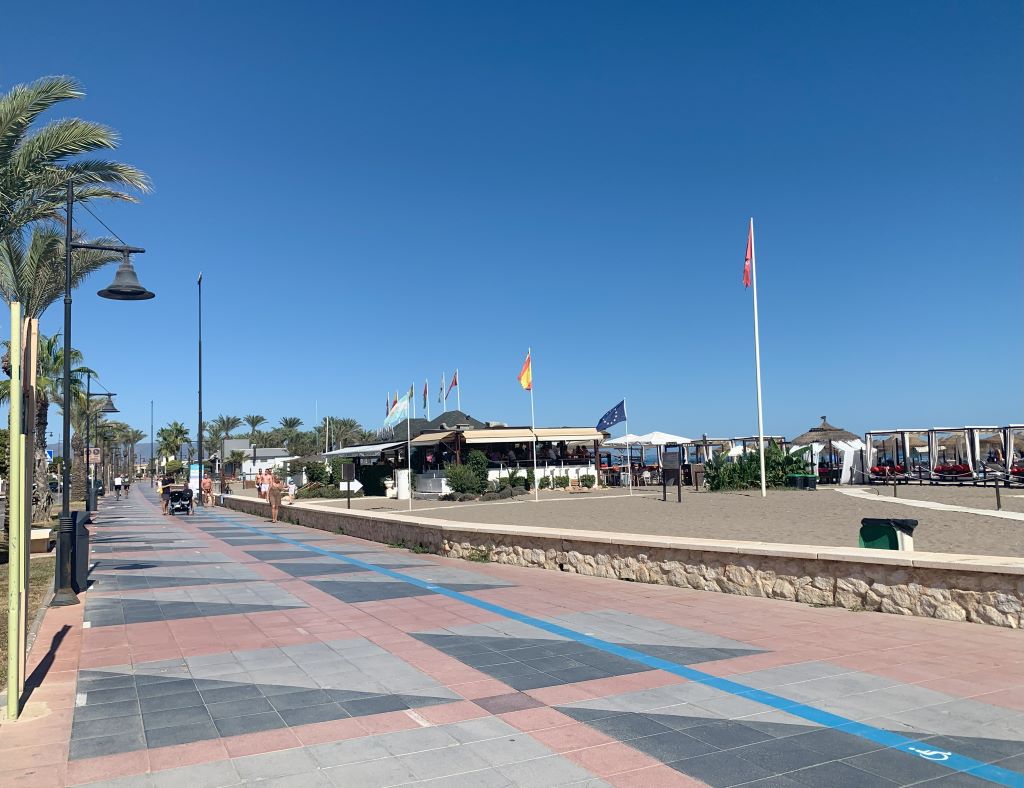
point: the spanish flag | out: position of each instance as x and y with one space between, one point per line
526 374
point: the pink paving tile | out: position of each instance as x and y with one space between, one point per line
606 759
561 694
333 730
187 754
570 737
1010 699
452 712
388 722
108 767
37 754
654 777
529 720
36 777
264 741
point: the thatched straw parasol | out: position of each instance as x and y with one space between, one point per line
823 433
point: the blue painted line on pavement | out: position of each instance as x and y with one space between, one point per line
918 749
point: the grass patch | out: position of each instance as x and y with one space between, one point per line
478 554
40 582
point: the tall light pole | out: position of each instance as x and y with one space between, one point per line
108 407
152 457
125 287
199 431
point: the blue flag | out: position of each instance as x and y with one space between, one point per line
613 417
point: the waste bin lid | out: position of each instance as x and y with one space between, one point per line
903 525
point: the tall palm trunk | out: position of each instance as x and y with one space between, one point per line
41 510
77 468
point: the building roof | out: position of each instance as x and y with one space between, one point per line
512 435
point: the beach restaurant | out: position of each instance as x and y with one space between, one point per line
977 454
561 451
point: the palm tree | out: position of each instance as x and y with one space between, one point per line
345 432
226 424
290 425
33 274
235 460
212 441
49 388
132 437
172 437
35 165
82 410
254 420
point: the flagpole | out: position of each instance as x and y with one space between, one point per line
533 429
412 397
444 394
629 452
757 360
426 400
408 453
458 390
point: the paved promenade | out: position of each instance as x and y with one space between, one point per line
222 650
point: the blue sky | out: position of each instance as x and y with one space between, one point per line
376 192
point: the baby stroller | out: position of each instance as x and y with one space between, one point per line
181 501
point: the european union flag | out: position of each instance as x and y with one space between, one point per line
613 417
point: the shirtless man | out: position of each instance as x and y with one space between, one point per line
207 487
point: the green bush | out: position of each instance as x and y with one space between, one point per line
514 479
531 480
477 461
519 491
561 481
588 480
316 472
544 483
318 490
335 465
745 472
491 496
462 479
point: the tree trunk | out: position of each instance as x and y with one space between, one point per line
41 510
77 468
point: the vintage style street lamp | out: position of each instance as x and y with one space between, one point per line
125 287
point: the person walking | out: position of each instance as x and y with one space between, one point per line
165 490
118 484
127 484
275 489
206 485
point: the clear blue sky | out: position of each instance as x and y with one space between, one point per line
376 192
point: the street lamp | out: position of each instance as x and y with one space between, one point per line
125 287
199 434
108 407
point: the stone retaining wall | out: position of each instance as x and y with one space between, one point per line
982 589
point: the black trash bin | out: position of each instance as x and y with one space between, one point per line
80 552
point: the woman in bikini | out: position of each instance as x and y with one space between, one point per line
275 490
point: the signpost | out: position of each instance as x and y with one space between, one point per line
348 475
672 461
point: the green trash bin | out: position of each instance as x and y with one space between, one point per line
887 533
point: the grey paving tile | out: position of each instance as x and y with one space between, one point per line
628 726
99 710
479 729
485 778
672 746
444 762
307 780
544 772
275 764
309 714
178 700
726 734
378 705
172 687
349 751
252 723
219 774
230 691
512 748
181 734
838 774
166 718
779 755
300 699
834 743
106 726
383 773
111 695
239 708
721 769
897 766
417 740
106 745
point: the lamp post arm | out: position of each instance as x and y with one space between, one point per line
108 248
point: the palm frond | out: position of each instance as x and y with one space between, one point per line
24 103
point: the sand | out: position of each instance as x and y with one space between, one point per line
822 517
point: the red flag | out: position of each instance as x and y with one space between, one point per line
453 384
748 260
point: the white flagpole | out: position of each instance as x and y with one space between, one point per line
412 398
458 390
327 436
533 429
444 394
629 452
408 453
757 360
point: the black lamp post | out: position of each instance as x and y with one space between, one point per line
108 407
125 287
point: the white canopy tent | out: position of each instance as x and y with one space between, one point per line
623 441
660 439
